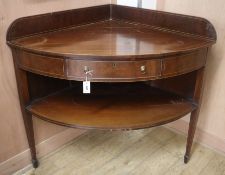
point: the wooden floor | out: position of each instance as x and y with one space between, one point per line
143 152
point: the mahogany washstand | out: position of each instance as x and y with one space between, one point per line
147 68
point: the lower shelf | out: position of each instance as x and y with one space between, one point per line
112 106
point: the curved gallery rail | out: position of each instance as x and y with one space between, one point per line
162 54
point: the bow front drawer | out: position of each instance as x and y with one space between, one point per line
113 70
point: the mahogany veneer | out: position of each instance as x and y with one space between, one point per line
116 106
111 39
167 52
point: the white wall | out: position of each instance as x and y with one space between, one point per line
132 3
149 4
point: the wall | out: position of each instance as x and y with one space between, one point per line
152 4
113 1
211 127
14 152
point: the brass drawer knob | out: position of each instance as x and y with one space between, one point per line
143 69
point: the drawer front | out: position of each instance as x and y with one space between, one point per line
182 64
43 65
114 70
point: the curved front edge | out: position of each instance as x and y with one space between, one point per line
39 64
111 71
122 106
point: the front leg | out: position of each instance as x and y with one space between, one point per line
28 122
195 114
23 90
191 133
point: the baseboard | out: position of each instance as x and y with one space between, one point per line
23 159
202 137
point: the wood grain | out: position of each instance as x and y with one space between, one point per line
117 39
114 71
167 21
184 64
112 106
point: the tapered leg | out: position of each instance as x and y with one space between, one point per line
23 90
28 122
191 133
194 115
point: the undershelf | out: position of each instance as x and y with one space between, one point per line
114 106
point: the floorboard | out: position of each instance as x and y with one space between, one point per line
155 151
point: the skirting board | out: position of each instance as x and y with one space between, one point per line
202 137
24 160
